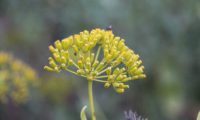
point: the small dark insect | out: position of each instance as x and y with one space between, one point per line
75 53
109 27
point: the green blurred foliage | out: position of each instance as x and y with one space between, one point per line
166 34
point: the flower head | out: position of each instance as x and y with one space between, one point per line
99 56
15 78
55 92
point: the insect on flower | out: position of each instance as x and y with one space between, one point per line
109 27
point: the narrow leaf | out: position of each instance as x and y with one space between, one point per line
198 117
83 115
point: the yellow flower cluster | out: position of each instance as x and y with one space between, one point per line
15 78
99 56
55 89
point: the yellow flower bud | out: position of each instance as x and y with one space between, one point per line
87 70
95 64
108 58
111 77
77 39
57 57
70 62
51 49
108 71
58 45
139 70
63 59
107 85
65 54
116 85
120 77
52 64
116 71
142 76
67 42
47 68
121 44
94 73
120 90
135 77
80 63
86 47
75 48
63 66
100 66
139 76
80 72
56 69
92 57
125 86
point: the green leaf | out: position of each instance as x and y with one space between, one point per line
83 116
198 117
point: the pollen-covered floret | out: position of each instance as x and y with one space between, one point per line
97 55
15 79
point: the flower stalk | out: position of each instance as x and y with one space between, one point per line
91 100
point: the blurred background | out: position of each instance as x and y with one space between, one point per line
166 35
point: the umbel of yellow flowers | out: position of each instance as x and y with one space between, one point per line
99 56
15 79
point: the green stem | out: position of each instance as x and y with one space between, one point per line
103 71
92 110
104 76
98 52
71 71
75 64
101 81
